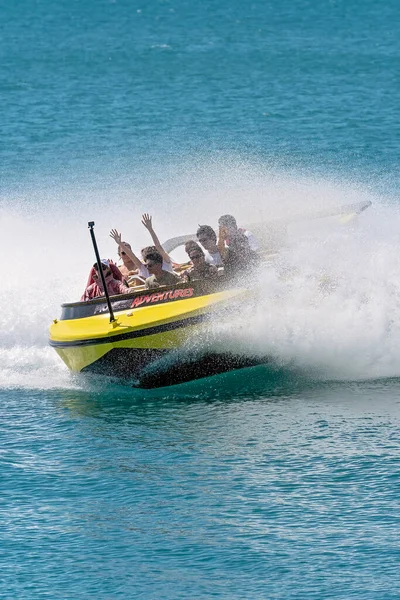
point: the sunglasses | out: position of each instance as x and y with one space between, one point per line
194 256
203 239
149 264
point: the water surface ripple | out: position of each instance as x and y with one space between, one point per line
111 495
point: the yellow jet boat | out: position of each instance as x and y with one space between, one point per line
148 325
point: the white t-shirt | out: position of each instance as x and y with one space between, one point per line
252 239
213 258
144 272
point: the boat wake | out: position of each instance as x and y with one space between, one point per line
327 306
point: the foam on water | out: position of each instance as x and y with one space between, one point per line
329 304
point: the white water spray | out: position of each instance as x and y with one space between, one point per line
330 303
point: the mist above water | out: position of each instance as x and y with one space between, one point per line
328 303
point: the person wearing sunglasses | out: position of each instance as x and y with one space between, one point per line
147 222
200 269
158 276
208 239
138 263
114 285
127 267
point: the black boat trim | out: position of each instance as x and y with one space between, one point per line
131 301
132 334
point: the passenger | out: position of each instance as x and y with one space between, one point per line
235 250
191 244
115 271
147 222
139 264
128 267
208 239
114 286
158 276
200 269
229 222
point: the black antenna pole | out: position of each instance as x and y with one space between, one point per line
100 270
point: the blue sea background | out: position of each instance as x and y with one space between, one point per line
278 482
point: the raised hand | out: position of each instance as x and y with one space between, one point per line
223 233
116 236
146 221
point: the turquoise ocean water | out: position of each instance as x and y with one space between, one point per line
277 482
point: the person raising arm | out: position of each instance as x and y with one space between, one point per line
221 244
139 264
124 247
147 222
127 267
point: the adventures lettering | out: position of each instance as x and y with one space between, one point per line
158 296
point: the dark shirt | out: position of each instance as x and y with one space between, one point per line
207 272
166 278
239 257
